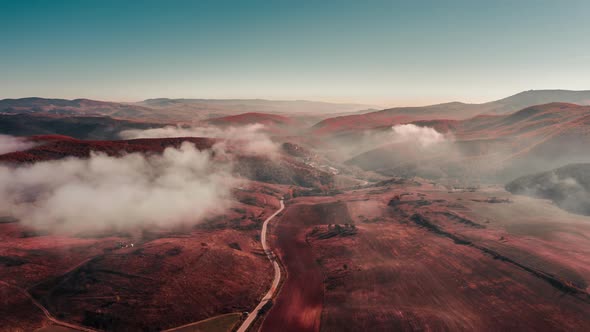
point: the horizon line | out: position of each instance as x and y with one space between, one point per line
399 103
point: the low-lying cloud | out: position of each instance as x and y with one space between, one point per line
423 136
568 187
11 144
181 186
251 139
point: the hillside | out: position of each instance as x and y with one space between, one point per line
450 111
252 118
537 97
75 107
496 147
282 170
165 110
396 115
253 105
568 187
275 123
81 127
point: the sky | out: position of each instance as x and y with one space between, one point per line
386 53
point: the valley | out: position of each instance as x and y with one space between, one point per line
294 166
274 223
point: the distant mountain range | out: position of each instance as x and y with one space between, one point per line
255 106
42 115
451 111
335 116
173 110
537 97
80 127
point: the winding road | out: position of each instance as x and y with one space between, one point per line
275 283
46 312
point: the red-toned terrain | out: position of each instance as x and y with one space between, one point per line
299 305
52 147
375 236
81 127
419 258
76 107
270 120
126 281
453 111
356 122
164 110
273 124
496 147
282 170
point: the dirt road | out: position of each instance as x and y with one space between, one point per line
275 283
46 312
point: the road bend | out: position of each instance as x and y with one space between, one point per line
275 283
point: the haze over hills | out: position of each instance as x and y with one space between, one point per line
101 201
567 186
256 105
174 110
527 140
451 111
79 126
538 97
64 107
166 110
498 147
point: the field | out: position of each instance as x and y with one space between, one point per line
423 258
404 228
125 281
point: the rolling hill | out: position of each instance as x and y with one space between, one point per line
81 127
538 97
281 170
75 107
165 110
502 147
449 111
253 105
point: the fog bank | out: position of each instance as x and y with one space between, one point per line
412 134
250 138
180 186
11 144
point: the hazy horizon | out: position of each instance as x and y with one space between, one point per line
399 103
382 53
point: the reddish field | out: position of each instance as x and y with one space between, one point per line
299 304
432 260
167 278
402 255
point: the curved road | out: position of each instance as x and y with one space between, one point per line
275 283
46 312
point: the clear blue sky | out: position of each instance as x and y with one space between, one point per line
382 52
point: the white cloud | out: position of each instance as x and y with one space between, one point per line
180 186
11 144
250 140
423 136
